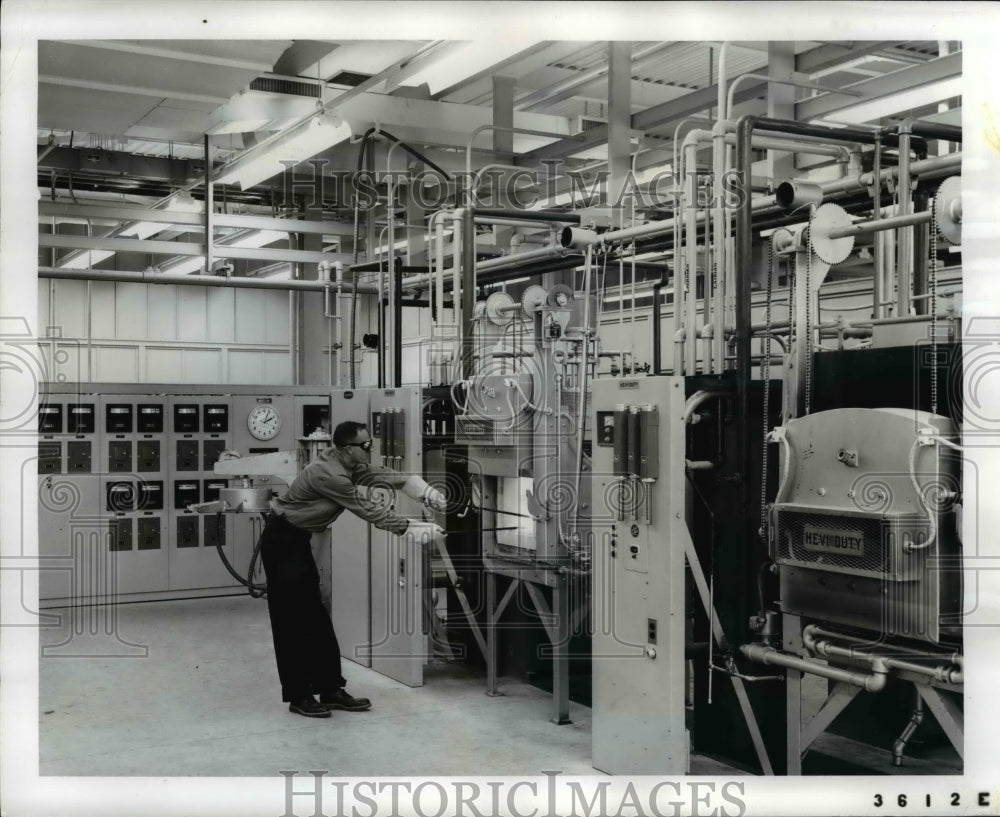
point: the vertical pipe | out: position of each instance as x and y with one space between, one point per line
209 206
396 276
719 234
905 234
921 200
877 251
743 258
468 288
691 256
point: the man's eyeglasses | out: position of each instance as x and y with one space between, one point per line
365 446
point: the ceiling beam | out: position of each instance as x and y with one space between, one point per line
159 93
122 164
655 117
892 83
833 54
172 54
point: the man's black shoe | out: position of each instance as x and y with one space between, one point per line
341 700
309 708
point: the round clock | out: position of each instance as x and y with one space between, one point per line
264 422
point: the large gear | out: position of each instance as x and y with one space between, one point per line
948 208
497 308
826 218
532 298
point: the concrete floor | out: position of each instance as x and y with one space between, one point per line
205 701
189 688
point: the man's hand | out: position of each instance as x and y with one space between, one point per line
435 499
422 529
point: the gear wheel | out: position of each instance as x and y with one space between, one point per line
948 209
827 218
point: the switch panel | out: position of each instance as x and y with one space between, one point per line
210 453
187 531
212 487
78 454
49 457
50 419
80 418
147 455
120 534
150 418
118 418
150 496
149 533
121 497
120 456
187 455
186 492
186 418
215 530
216 418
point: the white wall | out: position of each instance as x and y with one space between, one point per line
139 333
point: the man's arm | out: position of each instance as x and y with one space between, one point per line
345 493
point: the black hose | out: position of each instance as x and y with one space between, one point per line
258 591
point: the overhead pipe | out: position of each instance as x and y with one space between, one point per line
873 226
782 81
118 276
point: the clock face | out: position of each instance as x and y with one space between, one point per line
264 422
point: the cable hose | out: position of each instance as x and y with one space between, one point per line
257 591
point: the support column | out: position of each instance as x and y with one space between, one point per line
503 148
780 104
619 125
560 651
491 633
793 707
313 337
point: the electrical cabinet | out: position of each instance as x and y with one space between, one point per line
118 467
199 432
345 552
398 637
638 541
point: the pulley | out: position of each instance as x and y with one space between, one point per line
498 308
948 209
826 219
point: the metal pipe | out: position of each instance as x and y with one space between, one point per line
190 280
584 374
719 240
468 277
690 254
874 226
797 83
764 654
743 260
916 719
904 253
876 214
697 399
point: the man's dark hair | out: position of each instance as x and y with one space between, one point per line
347 431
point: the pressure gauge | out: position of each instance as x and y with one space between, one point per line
264 422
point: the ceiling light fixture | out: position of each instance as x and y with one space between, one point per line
303 142
460 61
